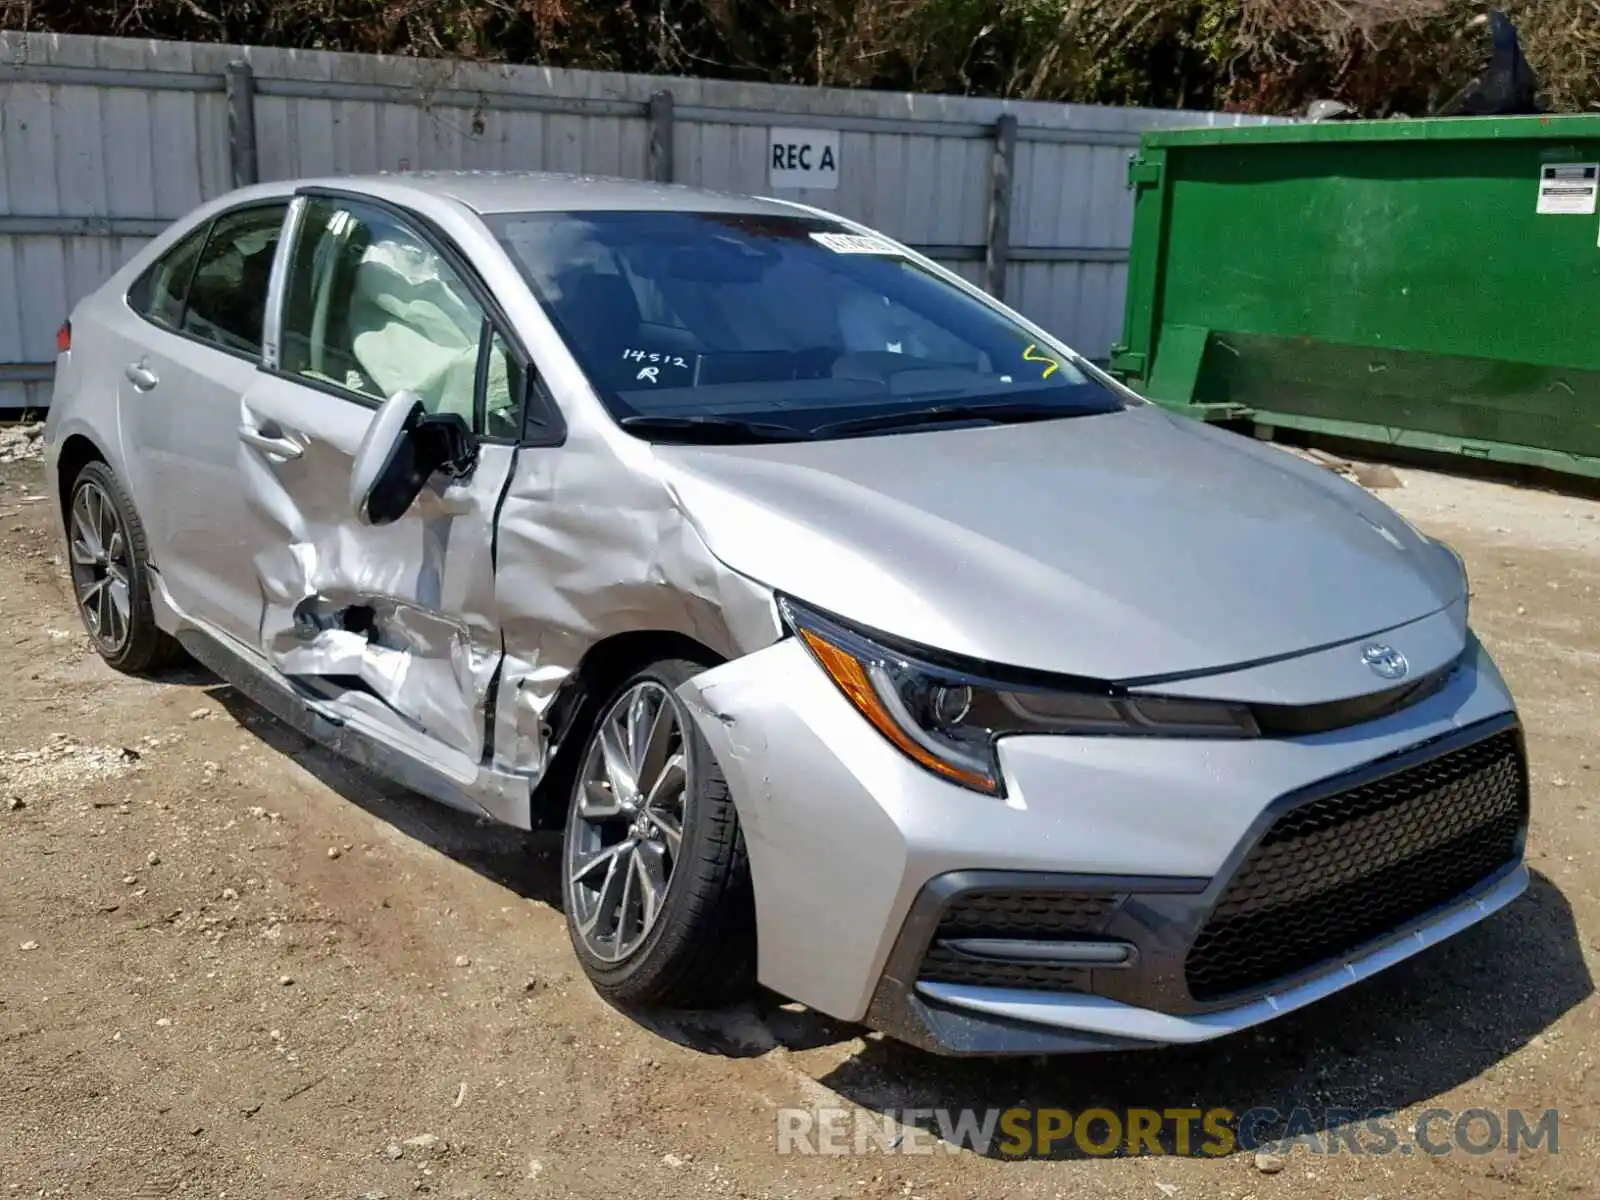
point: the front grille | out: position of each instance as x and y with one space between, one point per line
1023 915
1336 872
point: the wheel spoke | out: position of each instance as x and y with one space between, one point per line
628 868
594 862
599 802
606 902
82 554
656 745
668 784
93 599
119 588
106 609
613 746
671 830
114 546
107 519
648 861
640 713
119 603
86 527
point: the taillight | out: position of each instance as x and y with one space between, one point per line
64 337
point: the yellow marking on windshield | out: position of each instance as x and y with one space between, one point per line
1028 355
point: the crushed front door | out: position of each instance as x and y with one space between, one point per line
395 625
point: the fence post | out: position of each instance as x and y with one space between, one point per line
661 137
998 248
242 123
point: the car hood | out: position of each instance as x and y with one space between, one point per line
1135 545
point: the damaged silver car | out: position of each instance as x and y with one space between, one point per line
867 642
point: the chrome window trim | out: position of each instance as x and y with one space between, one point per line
278 283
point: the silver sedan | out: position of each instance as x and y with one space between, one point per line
866 641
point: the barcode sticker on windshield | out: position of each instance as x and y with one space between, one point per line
853 243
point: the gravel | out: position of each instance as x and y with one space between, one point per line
21 443
1268 1163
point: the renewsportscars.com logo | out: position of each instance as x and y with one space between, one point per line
1184 1132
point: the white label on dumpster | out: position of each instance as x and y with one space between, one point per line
1569 188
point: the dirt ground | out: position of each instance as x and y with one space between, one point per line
230 966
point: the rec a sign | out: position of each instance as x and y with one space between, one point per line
803 158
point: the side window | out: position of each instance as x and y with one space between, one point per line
227 301
160 293
373 309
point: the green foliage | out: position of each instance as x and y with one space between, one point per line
1380 56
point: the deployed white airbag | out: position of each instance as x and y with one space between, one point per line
410 329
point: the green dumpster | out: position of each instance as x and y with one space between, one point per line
1431 284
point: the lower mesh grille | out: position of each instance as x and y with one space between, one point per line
1339 871
1023 915
1019 914
943 965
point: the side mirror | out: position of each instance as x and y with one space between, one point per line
403 448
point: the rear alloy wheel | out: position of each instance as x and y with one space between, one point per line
106 553
655 880
101 564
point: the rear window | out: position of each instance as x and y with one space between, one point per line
160 292
227 303
773 317
213 284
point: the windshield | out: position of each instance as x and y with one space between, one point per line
760 326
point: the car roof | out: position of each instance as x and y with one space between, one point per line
489 192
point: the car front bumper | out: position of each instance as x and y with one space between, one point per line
962 1019
857 855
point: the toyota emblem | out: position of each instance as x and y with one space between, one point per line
1386 661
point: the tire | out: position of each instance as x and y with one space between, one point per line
699 949
113 591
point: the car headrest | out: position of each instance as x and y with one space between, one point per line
598 307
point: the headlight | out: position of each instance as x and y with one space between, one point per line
947 717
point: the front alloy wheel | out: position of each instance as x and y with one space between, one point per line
627 822
655 879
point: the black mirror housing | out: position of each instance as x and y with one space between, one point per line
404 447
445 444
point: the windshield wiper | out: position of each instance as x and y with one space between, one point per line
703 428
948 413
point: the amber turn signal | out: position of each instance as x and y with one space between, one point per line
851 677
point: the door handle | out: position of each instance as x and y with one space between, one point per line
274 445
141 376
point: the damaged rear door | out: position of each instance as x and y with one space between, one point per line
394 627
